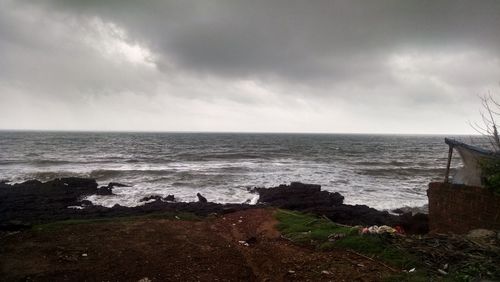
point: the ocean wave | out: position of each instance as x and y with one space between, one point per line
50 175
50 162
223 156
104 174
396 172
396 169
382 163
234 169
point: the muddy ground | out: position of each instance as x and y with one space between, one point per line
239 246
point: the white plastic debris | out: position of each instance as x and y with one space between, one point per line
442 272
244 243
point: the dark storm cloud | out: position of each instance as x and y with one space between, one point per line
298 39
349 60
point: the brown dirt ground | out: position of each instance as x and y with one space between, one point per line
176 250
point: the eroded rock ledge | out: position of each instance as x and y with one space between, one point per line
34 202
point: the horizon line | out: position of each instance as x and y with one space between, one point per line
232 132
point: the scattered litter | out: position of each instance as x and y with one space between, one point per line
446 252
176 217
335 237
326 272
442 272
244 243
240 221
84 255
386 229
360 265
291 271
399 229
375 229
412 270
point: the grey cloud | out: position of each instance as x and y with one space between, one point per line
295 38
322 52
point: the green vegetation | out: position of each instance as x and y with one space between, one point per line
491 174
302 228
56 225
308 229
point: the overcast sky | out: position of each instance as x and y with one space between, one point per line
266 66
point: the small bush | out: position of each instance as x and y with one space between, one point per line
490 169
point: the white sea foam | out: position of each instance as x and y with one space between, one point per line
384 172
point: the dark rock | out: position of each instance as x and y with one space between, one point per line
104 191
152 197
201 199
398 211
34 200
14 225
354 215
86 203
169 198
412 210
38 202
108 189
414 224
116 184
74 182
29 183
298 196
310 198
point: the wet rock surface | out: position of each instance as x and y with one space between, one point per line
298 196
104 191
34 202
310 198
201 199
169 198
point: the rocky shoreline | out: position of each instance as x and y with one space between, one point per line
34 202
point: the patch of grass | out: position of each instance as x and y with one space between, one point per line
305 228
308 229
378 246
57 225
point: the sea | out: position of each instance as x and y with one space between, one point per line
381 171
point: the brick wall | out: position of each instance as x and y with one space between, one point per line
459 208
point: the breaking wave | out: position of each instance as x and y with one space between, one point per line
383 171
